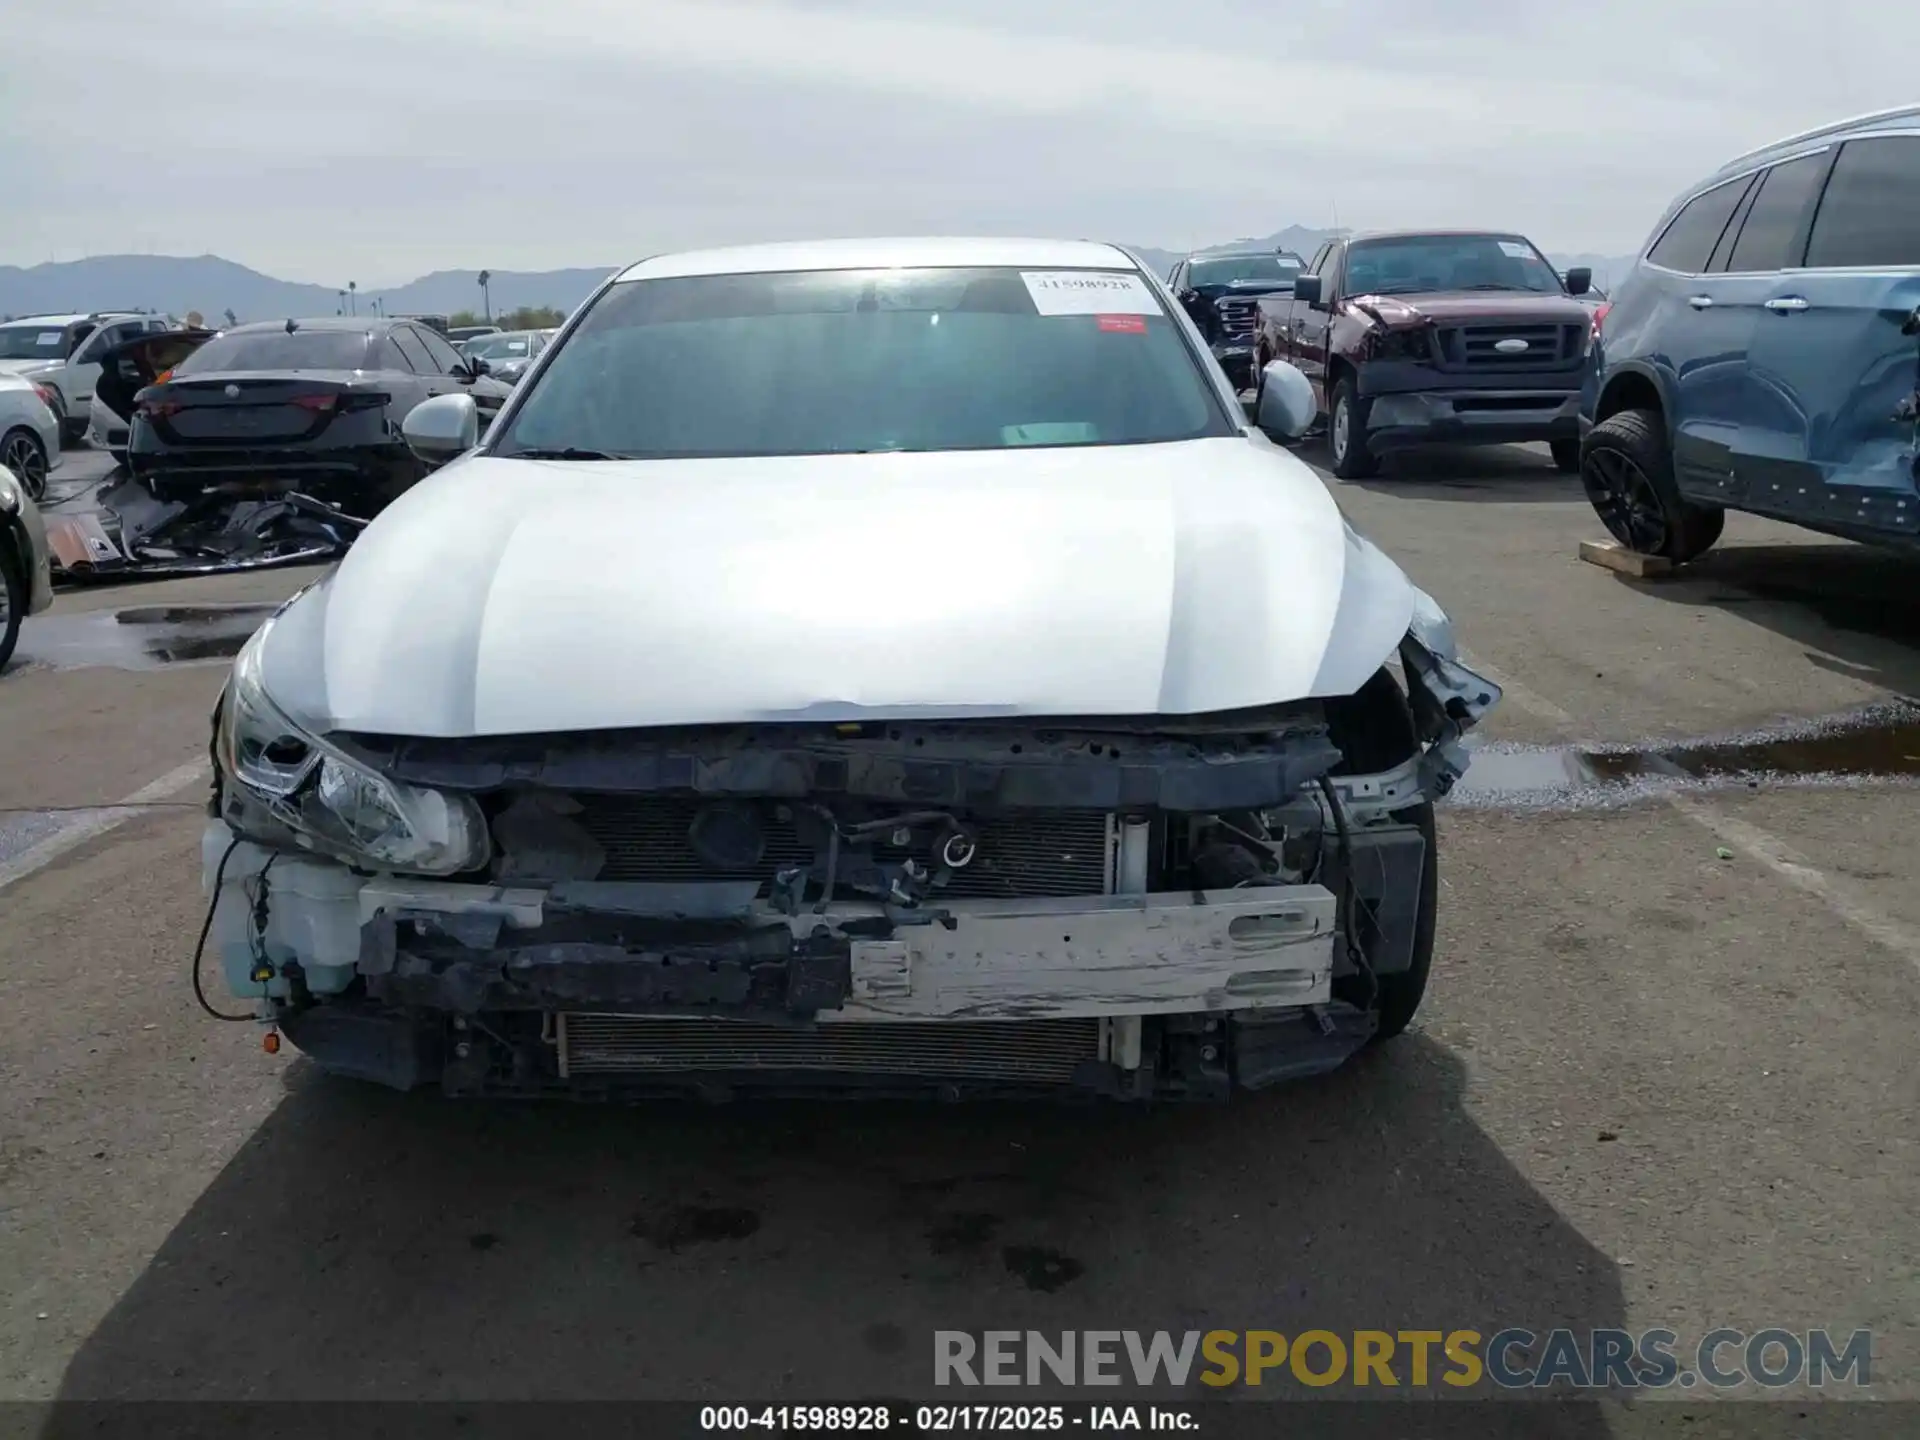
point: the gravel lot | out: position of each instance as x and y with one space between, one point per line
1664 1076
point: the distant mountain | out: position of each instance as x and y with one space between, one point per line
177 284
1297 238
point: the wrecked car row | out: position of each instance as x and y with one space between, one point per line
261 445
1126 799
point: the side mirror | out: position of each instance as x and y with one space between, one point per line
1307 288
437 430
1579 280
478 367
1287 405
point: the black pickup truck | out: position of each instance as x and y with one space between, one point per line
1409 338
1221 290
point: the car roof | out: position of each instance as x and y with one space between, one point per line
1901 117
1237 252
48 319
885 254
1434 234
318 322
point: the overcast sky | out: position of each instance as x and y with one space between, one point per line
375 140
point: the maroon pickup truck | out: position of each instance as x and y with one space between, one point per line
1412 338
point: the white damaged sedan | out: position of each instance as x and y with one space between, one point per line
879 667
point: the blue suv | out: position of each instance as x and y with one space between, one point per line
1764 353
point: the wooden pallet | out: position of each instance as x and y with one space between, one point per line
1609 556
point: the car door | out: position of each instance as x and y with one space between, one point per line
488 396
1731 460
417 377
1839 344
1689 323
1307 323
83 368
1198 310
1275 327
1719 401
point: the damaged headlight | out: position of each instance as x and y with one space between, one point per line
332 803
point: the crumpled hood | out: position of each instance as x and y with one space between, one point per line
511 596
1455 306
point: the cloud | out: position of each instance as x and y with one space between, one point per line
380 138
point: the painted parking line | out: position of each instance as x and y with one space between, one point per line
77 829
1758 845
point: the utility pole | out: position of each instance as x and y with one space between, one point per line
353 307
486 298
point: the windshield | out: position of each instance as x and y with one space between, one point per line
1411 263
33 342
278 350
1279 269
853 361
502 347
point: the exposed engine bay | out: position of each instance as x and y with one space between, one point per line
1131 908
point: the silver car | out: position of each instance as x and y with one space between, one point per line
26 566
509 352
894 667
29 433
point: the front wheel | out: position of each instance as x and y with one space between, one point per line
1626 468
23 452
1353 458
13 598
1566 456
1374 730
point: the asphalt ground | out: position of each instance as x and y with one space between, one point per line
1664 1076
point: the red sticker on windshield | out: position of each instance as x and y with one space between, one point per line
1123 324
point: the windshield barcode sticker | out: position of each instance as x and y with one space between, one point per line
1088 292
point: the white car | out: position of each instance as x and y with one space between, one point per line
26 564
892 666
62 353
29 434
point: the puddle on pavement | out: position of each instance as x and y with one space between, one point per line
147 637
1879 745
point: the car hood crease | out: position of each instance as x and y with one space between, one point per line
507 596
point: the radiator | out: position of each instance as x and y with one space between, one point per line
1049 853
1038 1052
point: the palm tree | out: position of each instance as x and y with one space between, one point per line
486 298
352 307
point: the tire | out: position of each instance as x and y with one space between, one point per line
1353 459
1374 730
1626 468
1566 456
13 595
25 454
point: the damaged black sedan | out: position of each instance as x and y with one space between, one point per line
265 444
970 701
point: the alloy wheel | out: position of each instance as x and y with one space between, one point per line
27 460
1341 420
1626 501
